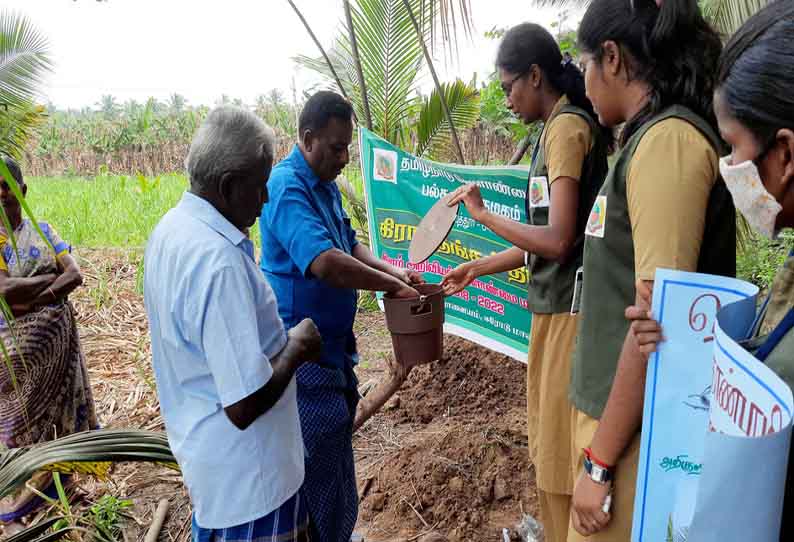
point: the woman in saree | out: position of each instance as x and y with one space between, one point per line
44 389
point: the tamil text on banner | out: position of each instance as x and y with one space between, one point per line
401 189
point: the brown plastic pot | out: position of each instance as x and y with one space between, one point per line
417 325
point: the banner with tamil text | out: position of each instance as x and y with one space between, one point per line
401 188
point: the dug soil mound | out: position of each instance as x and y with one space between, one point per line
465 473
470 382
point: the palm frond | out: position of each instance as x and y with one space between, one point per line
433 130
351 34
17 126
36 532
447 18
391 57
55 536
355 206
24 59
561 4
328 62
429 60
342 61
81 452
728 15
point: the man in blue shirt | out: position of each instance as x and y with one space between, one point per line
312 259
223 362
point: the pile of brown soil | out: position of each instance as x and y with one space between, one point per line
471 476
470 382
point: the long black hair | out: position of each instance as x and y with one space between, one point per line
530 44
670 47
756 72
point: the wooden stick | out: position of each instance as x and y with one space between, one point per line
376 398
157 521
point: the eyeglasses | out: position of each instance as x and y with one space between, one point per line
507 88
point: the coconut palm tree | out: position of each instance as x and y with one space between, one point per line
24 61
391 39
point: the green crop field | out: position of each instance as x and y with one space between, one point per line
107 211
121 211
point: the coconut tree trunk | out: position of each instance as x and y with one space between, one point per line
521 150
440 91
359 70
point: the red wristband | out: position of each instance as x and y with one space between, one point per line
589 454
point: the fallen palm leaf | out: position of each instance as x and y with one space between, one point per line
35 533
85 452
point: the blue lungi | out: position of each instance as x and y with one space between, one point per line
327 400
288 523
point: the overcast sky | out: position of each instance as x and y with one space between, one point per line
134 49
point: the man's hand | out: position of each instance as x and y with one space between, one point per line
308 338
408 276
471 197
457 279
587 511
403 291
646 331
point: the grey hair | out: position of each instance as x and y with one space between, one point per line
231 140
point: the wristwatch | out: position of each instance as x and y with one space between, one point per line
597 473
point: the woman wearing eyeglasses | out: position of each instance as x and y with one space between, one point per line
569 163
649 64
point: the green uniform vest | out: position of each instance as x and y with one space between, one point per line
609 273
551 283
781 300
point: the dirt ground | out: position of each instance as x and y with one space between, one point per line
448 454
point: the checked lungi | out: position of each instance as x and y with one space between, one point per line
327 400
288 523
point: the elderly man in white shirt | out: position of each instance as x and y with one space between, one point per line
223 362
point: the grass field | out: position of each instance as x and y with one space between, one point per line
116 211
121 211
